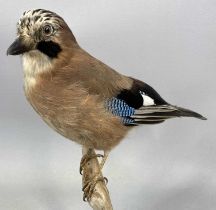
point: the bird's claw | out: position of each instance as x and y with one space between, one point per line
89 187
106 180
85 160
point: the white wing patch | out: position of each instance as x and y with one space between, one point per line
147 101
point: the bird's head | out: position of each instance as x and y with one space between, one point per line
43 32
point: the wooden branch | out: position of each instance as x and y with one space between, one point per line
100 199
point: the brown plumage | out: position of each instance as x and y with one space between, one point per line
74 108
69 88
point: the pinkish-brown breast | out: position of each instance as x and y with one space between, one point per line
75 111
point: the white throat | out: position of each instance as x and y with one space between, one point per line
34 63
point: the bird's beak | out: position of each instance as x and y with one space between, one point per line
17 48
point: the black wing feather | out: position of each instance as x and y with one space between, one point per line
157 113
133 97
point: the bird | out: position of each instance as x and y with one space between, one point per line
76 94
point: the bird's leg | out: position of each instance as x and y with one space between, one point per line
104 158
92 175
89 186
86 158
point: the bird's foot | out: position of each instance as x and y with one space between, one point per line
86 158
89 187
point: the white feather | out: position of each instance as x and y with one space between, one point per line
147 101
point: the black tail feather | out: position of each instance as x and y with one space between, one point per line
182 112
157 114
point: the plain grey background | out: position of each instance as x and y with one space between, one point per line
170 44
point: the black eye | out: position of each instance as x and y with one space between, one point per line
48 30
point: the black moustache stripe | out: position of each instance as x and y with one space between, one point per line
49 48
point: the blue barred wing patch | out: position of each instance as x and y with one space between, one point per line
119 108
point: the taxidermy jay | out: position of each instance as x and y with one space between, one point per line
77 95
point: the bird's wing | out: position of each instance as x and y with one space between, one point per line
143 105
